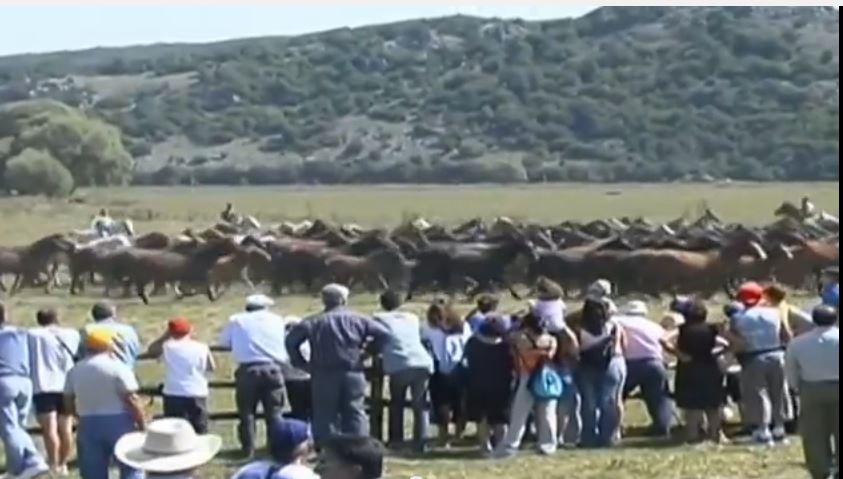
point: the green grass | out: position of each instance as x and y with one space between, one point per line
25 219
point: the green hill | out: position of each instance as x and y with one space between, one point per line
621 94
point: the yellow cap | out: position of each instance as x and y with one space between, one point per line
99 339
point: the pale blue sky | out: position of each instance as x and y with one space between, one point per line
46 27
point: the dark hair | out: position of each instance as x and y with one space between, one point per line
361 451
445 317
548 289
2 313
533 323
825 315
46 317
493 326
775 293
695 312
102 311
595 315
390 300
487 303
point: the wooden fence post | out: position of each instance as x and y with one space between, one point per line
376 401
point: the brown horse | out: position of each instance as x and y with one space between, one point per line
237 266
29 263
141 267
378 269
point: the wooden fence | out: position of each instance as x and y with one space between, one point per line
376 403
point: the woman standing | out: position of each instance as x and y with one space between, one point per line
600 374
699 385
447 337
533 347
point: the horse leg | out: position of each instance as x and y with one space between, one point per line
17 284
209 291
140 288
2 285
244 275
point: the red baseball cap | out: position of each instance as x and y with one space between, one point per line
179 327
750 293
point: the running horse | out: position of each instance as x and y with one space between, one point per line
29 263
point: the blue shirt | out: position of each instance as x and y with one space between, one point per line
14 352
256 337
475 321
337 338
404 349
814 357
760 328
831 295
127 343
260 470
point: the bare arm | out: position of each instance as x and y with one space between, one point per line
156 348
135 407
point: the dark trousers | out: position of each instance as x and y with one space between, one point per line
193 410
339 404
819 426
414 380
301 403
651 376
257 384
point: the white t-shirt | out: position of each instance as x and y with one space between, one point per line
259 470
186 363
552 311
51 351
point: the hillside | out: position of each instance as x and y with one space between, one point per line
622 94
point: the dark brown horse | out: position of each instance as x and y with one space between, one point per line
29 263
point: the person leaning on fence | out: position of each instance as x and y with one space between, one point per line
187 363
103 392
297 381
409 367
760 336
813 369
533 348
22 459
489 377
338 338
645 364
168 449
351 457
52 352
699 390
127 344
290 445
446 335
256 339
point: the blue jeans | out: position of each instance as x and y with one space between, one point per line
15 402
339 404
95 440
600 391
651 376
416 380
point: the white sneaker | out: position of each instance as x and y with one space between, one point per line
60 472
780 436
33 472
762 437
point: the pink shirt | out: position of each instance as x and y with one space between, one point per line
642 337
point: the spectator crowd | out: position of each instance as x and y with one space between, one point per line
557 374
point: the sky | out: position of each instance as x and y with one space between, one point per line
42 27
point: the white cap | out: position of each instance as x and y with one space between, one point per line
600 289
637 308
336 290
259 301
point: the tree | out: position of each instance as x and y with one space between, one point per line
36 172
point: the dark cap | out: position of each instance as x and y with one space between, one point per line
825 315
102 310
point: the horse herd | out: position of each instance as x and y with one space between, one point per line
637 255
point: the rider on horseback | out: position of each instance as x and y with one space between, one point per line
103 224
228 215
808 208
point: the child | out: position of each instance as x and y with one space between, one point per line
447 336
549 305
486 304
290 444
489 366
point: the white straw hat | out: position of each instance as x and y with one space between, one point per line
168 446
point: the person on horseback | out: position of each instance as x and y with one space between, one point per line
228 214
103 224
808 208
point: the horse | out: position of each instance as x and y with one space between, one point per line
27 263
88 258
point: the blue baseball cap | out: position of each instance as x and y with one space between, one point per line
287 435
831 296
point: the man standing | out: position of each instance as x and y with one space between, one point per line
645 364
813 369
126 342
22 459
52 351
103 392
256 340
337 339
187 363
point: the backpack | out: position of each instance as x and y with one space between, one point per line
545 384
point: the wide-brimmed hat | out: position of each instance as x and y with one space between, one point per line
636 308
168 445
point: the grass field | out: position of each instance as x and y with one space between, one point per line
170 210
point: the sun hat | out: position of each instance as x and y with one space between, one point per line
334 290
750 293
637 308
259 301
99 339
600 289
287 435
167 446
179 327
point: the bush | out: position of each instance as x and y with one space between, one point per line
35 172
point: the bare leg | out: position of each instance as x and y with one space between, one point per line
49 426
66 439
